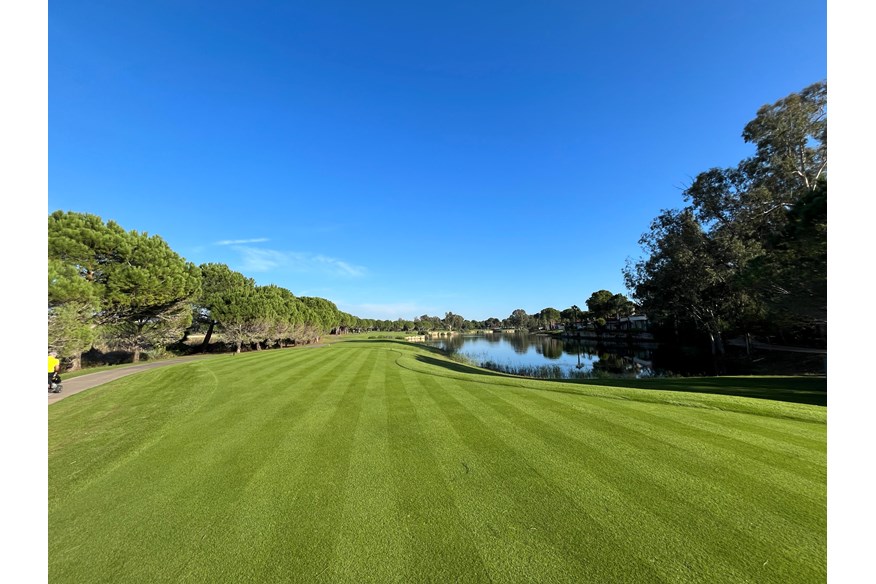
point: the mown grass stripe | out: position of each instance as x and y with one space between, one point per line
546 508
283 370
590 481
765 455
439 548
247 535
707 501
255 523
299 469
770 468
509 549
92 439
370 545
203 485
747 426
744 431
312 515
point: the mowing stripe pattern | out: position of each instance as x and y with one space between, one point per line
380 462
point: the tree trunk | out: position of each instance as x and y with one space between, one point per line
714 346
76 362
238 347
208 336
136 358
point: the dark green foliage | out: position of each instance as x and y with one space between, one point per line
453 321
548 317
518 319
134 292
72 303
749 254
323 314
792 278
135 287
603 304
223 298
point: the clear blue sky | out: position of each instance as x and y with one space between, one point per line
402 158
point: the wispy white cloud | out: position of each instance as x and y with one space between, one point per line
339 266
257 259
241 241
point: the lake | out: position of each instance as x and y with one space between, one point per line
548 356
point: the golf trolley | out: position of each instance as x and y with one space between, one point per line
55 386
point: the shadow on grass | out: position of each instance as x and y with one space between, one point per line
800 390
460 367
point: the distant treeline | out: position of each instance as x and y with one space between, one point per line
128 291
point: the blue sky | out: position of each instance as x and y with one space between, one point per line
408 158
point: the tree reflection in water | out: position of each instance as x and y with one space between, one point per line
549 357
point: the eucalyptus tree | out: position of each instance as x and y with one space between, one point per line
437 322
734 257
453 321
683 279
792 278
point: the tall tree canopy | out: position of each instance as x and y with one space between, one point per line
549 316
750 249
604 304
145 288
453 321
221 288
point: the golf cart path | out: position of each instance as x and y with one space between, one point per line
83 382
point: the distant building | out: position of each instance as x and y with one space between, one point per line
636 322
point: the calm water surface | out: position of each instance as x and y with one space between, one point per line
549 357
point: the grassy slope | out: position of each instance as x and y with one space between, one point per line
379 462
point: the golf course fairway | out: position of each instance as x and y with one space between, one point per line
382 461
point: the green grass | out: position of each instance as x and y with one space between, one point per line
375 461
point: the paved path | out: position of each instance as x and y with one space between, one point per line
83 382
